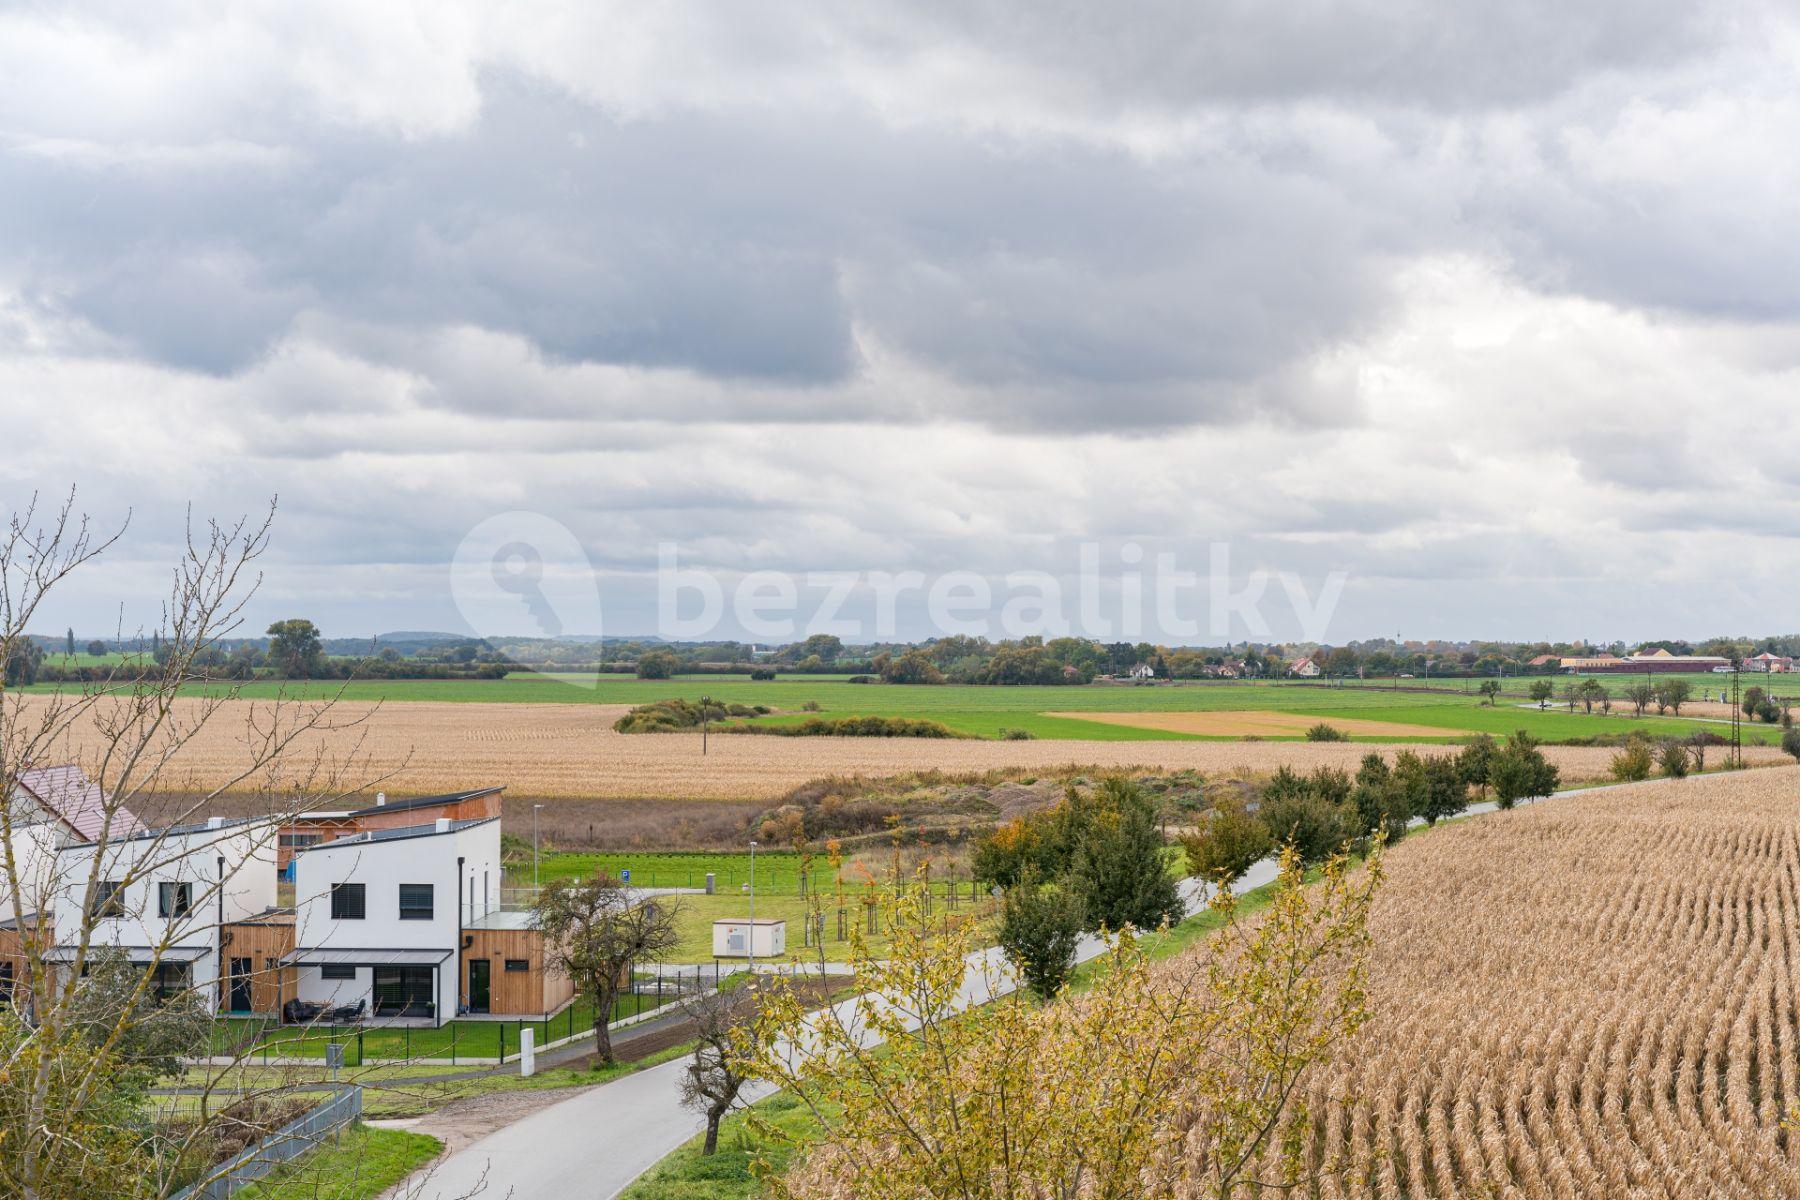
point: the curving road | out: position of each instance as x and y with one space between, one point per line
591 1146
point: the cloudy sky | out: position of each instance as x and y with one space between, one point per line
1493 308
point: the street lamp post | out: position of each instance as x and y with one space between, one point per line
535 880
752 939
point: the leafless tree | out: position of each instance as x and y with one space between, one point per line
724 1024
77 1129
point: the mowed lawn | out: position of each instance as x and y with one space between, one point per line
777 894
987 712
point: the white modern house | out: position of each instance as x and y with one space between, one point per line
382 918
165 899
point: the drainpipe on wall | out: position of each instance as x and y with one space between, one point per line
219 955
461 975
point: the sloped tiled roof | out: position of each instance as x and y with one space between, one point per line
72 798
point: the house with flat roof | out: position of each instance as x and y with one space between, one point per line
406 921
314 828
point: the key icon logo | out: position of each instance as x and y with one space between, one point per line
524 574
519 568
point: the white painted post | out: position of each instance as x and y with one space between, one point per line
527 1052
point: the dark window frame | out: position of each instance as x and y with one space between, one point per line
338 972
108 899
183 891
413 911
169 979
515 965
341 894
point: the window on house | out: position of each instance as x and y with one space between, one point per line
170 979
297 841
6 984
174 899
336 971
108 899
518 964
415 902
349 901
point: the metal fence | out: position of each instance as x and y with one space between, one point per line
482 1040
288 1143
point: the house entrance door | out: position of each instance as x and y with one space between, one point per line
478 984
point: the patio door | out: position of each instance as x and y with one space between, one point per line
478 984
238 1001
403 992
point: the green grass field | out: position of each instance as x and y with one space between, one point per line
987 711
777 872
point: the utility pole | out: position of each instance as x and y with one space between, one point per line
751 941
1737 722
705 703
535 880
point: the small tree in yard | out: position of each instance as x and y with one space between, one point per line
1227 843
1541 691
1640 695
1489 689
1675 693
595 931
1040 928
724 1024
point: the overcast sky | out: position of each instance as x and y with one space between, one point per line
1494 308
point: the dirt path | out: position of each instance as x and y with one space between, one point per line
462 1122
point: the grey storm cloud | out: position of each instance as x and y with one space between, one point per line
1083 287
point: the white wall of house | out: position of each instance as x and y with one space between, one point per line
223 872
460 893
34 865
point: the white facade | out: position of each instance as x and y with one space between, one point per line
765 937
34 846
416 889
165 894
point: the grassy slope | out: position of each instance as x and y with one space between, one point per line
361 1164
987 710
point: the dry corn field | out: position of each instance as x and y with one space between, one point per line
570 750
1594 996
